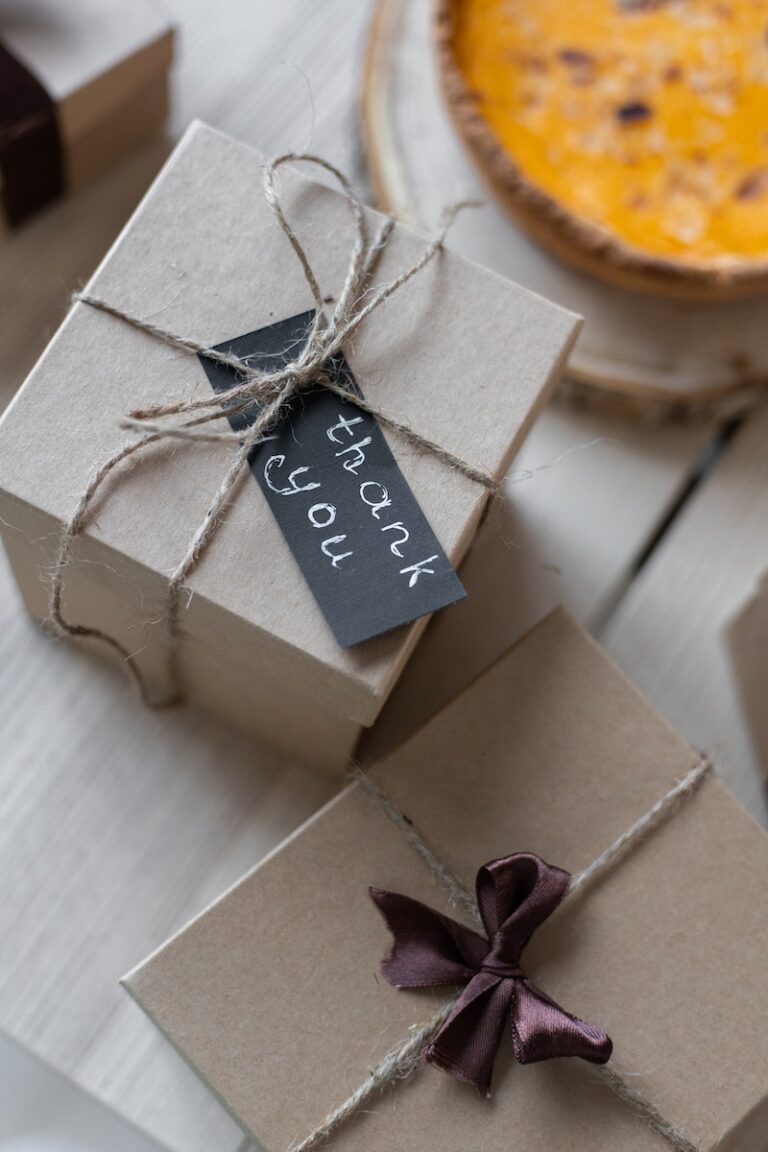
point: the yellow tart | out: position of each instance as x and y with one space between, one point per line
629 137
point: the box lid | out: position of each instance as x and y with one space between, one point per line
464 357
274 994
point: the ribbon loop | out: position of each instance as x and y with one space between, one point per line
516 894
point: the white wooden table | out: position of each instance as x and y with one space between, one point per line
116 825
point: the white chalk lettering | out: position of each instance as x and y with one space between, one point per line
345 425
327 511
379 501
395 548
292 487
358 459
418 569
326 550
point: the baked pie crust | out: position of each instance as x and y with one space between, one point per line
628 137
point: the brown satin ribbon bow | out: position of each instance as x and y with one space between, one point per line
515 895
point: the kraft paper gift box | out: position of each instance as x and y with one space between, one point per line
747 642
274 994
459 355
82 83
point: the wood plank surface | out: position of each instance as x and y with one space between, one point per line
117 825
670 630
586 494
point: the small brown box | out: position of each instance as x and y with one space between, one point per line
104 65
460 355
274 994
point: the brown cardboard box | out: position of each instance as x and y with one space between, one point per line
460 355
747 640
274 994
104 63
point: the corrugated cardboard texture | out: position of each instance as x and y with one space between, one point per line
463 356
274 996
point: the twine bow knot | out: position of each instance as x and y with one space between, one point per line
265 396
515 895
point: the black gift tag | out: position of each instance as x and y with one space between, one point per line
334 487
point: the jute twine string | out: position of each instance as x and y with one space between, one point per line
185 421
406 1057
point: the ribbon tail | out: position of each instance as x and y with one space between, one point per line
543 1030
467 1044
428 949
